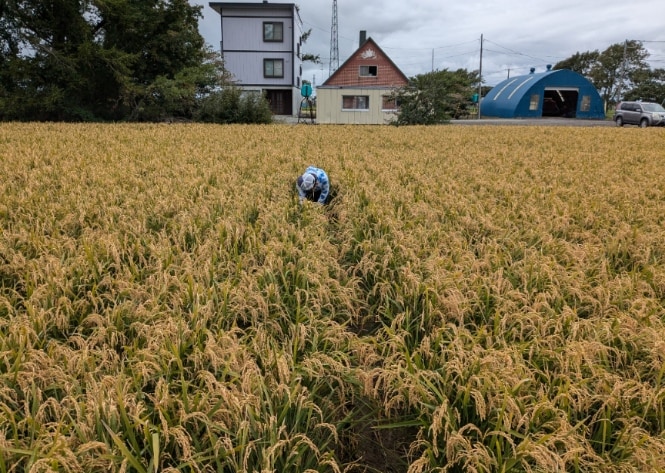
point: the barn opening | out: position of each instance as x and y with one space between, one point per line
560 102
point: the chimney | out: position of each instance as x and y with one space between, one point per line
363 37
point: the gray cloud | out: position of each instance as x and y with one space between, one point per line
419 35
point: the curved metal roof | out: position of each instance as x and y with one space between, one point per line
512 97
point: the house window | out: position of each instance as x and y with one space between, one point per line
533 105
273 31
273 68
368 71
355 102
585 106
390 103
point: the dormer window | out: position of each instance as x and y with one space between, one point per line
368 71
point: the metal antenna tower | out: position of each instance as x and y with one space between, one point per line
334 47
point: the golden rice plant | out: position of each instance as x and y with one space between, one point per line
482 299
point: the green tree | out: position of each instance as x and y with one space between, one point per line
102 59
649 86
618 67
315 58
43 50
582 63
172 64
435 97
308 57
614 71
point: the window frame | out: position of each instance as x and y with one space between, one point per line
387 100
273 61
534 102
357 100
266 39
370 69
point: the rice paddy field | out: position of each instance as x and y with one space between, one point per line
475 299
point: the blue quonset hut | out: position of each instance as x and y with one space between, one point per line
553 93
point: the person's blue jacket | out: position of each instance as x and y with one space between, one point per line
313 185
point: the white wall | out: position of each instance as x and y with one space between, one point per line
329 107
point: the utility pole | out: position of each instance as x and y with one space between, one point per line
480 76
623 71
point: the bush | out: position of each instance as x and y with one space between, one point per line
435 97
230 105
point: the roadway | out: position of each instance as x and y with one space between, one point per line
534 122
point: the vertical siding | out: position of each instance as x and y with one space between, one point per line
244 50
246 34
348 81
329 107
247 68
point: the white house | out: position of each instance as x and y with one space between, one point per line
261 48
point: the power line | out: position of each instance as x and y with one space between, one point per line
516 52
429 49
417 58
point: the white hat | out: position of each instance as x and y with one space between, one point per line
306 181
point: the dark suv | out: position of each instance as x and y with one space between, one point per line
643 114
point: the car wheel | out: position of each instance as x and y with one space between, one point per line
619 121
644 123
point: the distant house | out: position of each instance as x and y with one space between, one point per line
551 93
358 92
261 48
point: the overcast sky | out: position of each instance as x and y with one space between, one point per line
425 35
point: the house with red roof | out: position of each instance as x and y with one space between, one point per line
359 92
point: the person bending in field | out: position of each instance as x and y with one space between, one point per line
314 185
